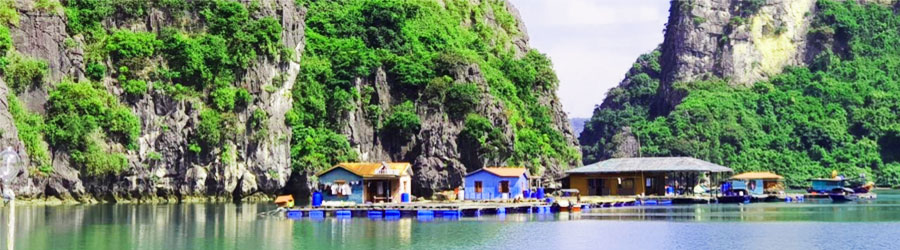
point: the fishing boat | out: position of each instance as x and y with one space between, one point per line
843 195
839 189
752 186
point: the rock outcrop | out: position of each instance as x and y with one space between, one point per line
252 162
743 41
162 168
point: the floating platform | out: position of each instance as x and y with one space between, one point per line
420 209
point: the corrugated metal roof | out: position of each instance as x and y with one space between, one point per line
650 164
503 171
369 169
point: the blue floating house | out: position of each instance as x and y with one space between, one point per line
366 182
493 183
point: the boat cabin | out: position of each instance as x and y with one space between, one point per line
492 183
366 182
825 185
645 176
754 183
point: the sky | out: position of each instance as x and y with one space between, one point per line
592 42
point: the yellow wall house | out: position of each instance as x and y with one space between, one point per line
643 176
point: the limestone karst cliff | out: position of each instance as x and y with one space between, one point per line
174 100
794 87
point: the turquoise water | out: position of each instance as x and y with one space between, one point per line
813 224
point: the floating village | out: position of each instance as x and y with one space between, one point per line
382 190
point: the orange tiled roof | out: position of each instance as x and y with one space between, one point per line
368 169
284 199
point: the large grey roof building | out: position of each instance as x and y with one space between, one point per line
651 164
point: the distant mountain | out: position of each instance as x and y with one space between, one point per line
578 124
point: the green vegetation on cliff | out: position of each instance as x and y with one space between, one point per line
839 113
83 118
86 120
417 44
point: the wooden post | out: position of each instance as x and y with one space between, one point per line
12 225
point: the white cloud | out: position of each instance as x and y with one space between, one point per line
592 43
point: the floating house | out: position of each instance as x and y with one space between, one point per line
492 183
644 176
366 182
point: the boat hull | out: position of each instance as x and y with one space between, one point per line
734 199
842 197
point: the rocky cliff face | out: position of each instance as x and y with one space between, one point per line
743 41
168 165
740 41
439 154
161 168
725 83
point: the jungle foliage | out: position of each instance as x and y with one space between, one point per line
417 44
839 113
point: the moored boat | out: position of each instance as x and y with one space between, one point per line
839 189
843 195
752 186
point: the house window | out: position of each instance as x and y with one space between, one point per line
504 186
478 187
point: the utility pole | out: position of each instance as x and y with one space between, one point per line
10 170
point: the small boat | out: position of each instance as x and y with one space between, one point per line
837 183
751 187
843 195
734 198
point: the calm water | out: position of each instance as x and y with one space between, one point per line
809 225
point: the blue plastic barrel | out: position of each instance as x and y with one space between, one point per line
501 210
343 214
425 213
375 214
317 199
294 214
450 213
540 193
526 193
392 213
404 197
317 214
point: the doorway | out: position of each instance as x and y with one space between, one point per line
379 191
595 187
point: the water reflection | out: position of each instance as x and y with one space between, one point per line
198 226
230 226
884 209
